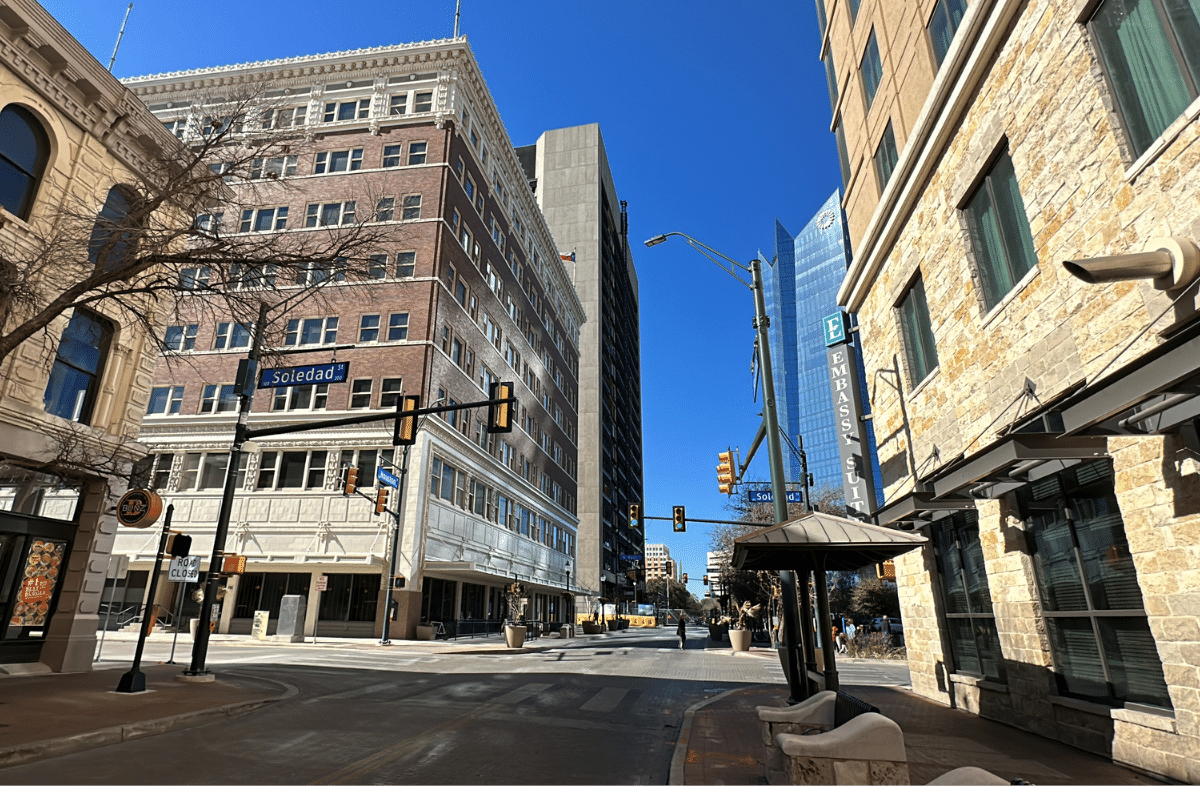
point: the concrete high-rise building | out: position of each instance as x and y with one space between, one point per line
471 291
569 171
800 288
1021 197
659 565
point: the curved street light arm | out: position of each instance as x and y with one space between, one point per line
705 251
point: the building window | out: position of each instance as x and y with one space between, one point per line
256 276
886 157
412 207
389 392
228 339
282 117
947 15
423 101
384 208
966 597
321 330
368 328
360 393
263 219
843 155
181 337
165 400
391 155
113 238
347 109
1149 52
398 104
1100 640
209 222
416 153
280 167
871 69
314 274
397 327
24 152
206 471
831 79
339 161
460 294
916 329
78 364
300 398
329 214
1000 235
292 469
218 399
854 10
194 278
176 127
406 264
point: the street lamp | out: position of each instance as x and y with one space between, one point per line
797 683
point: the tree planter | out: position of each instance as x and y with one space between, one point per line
514 636
613 624
425 633
740 639
717 631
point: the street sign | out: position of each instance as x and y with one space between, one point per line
322 583
334 372
184 569
631 558
759 496
387 478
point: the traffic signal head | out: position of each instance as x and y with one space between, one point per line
678 519
725 473
685 580
381 496
704 579
406 426
351 483
179 545
500 412
635 515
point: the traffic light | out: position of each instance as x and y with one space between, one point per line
381 500
179 545
635 515
351 483
406 427
725 473
500 413
704 579
685 580
679 519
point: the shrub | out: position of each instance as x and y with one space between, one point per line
873 645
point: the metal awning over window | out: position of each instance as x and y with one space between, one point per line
822 542
919 508
1015 461
1154 394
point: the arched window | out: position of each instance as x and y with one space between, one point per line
113 237
24 151
78 366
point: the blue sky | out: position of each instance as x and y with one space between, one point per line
715 116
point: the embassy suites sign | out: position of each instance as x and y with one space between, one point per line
858 481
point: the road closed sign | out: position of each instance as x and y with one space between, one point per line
184 570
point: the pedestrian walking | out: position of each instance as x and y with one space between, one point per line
851 629
682 631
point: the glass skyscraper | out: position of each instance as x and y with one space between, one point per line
801 285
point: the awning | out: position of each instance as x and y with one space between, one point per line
919 506
1155 393
1015 461
472 572
820 541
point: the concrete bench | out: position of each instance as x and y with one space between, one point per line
821 716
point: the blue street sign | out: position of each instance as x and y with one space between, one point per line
304 376
759 496
631 558
387 478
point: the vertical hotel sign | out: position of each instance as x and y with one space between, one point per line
858 481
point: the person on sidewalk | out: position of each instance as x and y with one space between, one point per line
682 631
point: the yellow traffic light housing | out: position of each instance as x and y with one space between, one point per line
406 426
381 496
678 519
351 482
726 475
635 515
500 412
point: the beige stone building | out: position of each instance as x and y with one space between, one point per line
72 394
1037 422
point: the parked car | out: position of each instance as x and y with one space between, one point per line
896 625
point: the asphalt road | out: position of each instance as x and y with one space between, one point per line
592 712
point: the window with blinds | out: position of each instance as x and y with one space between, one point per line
970 622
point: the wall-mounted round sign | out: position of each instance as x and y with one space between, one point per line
139 508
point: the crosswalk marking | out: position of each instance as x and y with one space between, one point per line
605 700
522 694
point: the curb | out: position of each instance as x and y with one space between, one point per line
80 742
685 734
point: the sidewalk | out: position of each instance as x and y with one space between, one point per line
720 743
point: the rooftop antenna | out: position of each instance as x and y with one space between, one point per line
119 37
457 11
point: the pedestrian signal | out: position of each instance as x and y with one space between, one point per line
679 519
179 545
500 412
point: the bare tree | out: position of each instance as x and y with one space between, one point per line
205 215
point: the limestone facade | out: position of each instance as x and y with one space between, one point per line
1025 78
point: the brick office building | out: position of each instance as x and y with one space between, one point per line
1040 430
471 291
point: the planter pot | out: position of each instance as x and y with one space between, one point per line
592 627
717 632
613 624
623 624
514 636
425 633
740 640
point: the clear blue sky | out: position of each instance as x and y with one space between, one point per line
716 119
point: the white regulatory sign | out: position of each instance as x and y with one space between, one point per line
184 570
322 583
